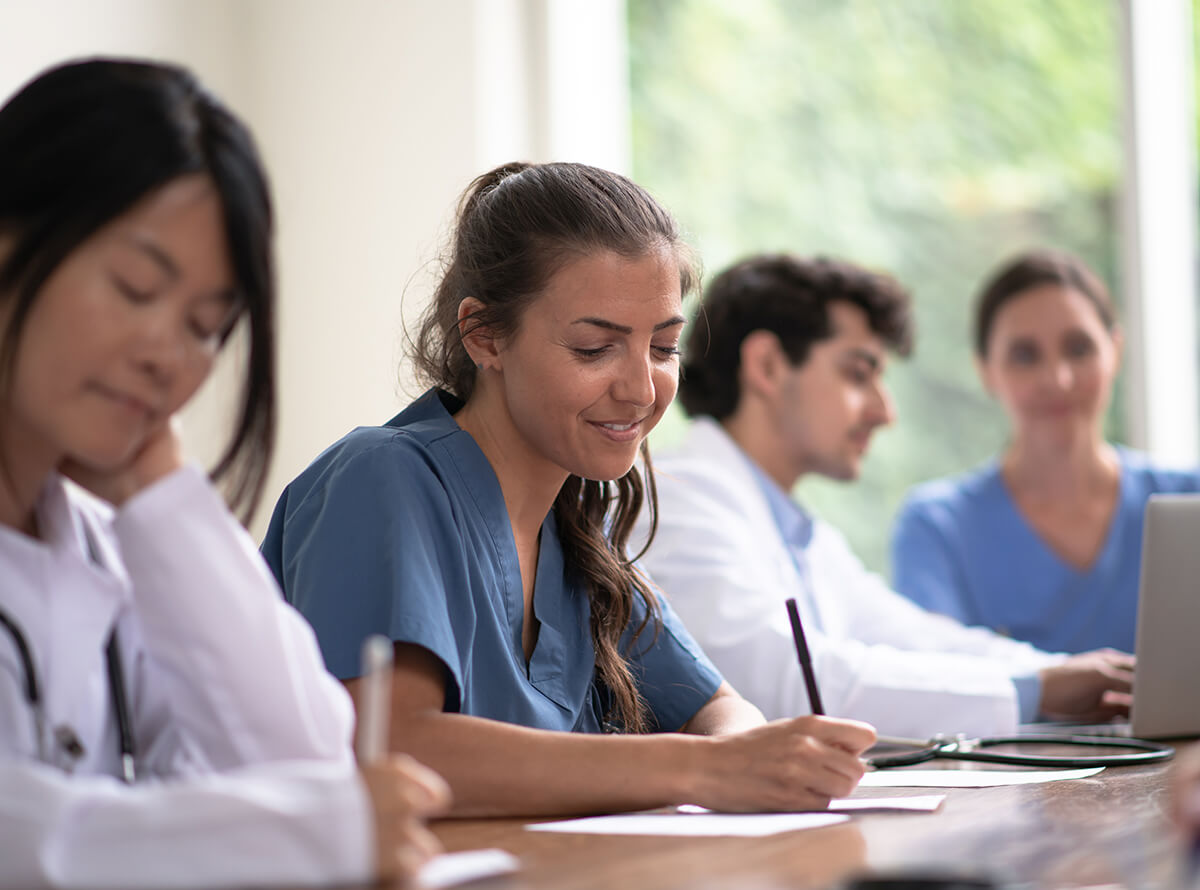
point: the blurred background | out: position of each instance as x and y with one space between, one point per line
927 138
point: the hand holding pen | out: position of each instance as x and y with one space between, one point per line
404 794
796 764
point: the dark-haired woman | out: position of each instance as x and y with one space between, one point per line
484 530
141 637
1043 543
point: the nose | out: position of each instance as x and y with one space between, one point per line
635 382
1061 374
882 407
162 349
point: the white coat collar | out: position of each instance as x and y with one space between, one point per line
708 442
53 583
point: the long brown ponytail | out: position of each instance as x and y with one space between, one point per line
517 225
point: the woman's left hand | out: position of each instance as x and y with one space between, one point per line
161 455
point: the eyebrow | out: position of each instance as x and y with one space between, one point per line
164 261
864 355
156 253
625 329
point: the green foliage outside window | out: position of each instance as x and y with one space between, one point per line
927 138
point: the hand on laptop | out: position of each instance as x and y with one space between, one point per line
1089 688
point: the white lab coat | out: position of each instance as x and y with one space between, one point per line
721 560
242 737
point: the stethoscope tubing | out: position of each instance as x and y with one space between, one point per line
1144 752
116 685
33 694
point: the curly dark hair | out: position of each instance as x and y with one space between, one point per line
788 296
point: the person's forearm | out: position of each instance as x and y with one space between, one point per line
242 669
496 768
724 713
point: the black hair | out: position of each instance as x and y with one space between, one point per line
85 141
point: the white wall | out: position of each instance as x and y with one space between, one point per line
367 119
372 115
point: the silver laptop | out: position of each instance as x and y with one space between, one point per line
1166 700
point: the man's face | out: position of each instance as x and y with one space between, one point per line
827 408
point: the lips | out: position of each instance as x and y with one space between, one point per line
862 436
128 401
619 430
1054 410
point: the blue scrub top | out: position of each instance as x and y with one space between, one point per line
961 547
402 530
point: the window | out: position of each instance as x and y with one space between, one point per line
930 139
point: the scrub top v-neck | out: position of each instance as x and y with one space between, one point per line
962 547
402 530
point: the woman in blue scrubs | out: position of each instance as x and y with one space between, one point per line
484 529
1044 542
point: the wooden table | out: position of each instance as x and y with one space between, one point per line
1110 829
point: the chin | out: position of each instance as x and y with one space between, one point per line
602 471
847 472
105 457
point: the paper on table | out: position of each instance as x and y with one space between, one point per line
450 869
693 824
968 778
925 803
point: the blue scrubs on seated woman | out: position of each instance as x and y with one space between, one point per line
961 547
402 530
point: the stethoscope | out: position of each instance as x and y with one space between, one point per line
1139 752
64 736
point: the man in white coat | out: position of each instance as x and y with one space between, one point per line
783 374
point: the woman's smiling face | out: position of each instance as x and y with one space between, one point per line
1051 362
594 361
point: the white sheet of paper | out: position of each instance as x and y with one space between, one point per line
450 869
968 778
693 824
925 803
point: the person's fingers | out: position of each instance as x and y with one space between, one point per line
406 864
1117 675
426 792
1114 699
414 846
423 840
1124 661
844 764
853 736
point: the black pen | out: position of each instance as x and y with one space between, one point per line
806 668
